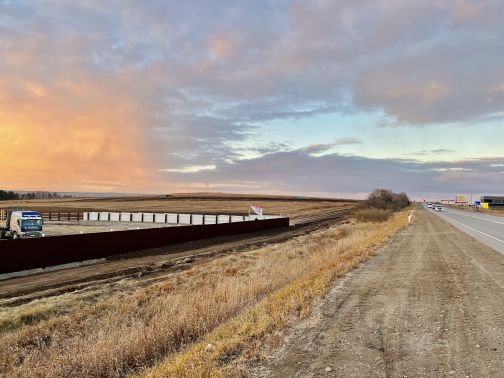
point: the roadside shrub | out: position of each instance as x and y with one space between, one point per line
387 200
372 215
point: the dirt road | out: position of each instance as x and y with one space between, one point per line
430 304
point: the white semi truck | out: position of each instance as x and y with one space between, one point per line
22 224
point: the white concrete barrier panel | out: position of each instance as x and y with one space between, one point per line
148 217
115 217
236 218
184 218
93 216
197 219
210 219
137 217
125 217
222 218
103 216
159 218
172 218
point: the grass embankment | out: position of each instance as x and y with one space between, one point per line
239 304
335 254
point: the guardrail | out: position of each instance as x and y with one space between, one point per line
61 216
52 215
23 254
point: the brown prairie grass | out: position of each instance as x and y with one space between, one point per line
163 329
372 215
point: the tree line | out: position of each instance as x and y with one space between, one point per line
6 195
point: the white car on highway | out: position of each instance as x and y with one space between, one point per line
439 208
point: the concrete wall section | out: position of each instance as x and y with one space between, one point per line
171 218
159 218
125 217
185 218
148 218
136 217
23 254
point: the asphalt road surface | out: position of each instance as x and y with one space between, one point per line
430 304
487 229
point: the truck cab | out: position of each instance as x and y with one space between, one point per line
23 224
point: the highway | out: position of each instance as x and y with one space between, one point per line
487 229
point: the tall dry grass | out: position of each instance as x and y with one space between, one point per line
372 214
117 334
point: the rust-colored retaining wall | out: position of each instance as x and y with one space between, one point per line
22 254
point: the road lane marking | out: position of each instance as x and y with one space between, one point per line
471 216
482 233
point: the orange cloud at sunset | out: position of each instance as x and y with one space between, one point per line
52 141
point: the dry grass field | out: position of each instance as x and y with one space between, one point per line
210 320
186 203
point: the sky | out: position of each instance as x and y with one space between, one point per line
326 98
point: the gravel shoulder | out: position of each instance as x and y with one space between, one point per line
429 304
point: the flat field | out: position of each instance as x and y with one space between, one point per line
189 203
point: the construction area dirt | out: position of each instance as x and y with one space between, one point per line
429 304
155 263
55 228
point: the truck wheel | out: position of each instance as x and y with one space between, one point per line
14 236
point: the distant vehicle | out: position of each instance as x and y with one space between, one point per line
429 205
439 208
22 224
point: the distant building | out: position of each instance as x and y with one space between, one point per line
492 201
461 199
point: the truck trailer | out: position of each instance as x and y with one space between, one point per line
22 224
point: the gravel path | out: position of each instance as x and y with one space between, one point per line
430 304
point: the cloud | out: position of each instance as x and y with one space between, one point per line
131 95
347 141
322 147
431 152
190 169
317 148
335 174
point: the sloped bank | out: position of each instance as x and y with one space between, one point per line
332 254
